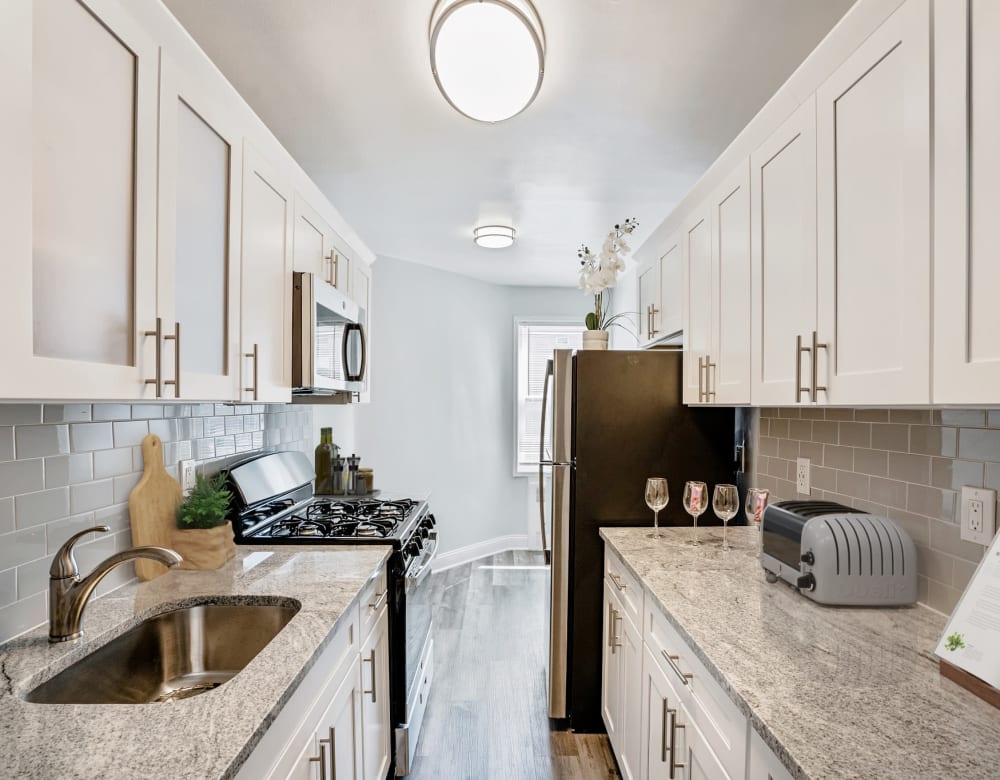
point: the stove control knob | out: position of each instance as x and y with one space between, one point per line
413 548
424 533
430 521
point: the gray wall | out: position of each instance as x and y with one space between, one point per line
442 411
908 464
68 467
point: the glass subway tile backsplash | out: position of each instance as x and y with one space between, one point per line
68 467
907 464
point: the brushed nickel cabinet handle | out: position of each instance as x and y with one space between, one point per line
617 639
816 347
380 599
157 355
322 761
256 362
710 371
371 661
176 338
674 725
672 661
653 311
617 581
332 742
663 732
799 349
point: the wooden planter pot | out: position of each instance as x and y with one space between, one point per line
204 548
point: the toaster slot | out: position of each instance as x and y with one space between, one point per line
837 543
868 541
878 529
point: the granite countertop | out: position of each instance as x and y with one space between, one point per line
836 692
206 736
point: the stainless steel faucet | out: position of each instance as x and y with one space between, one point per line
69 593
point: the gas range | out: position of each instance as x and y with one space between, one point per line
273 503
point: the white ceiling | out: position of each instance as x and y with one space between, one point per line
639 97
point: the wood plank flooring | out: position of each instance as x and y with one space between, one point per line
486 718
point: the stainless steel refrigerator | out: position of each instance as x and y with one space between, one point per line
610 420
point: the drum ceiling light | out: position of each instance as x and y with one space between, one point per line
494 236
487 56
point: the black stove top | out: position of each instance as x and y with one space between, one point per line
332 518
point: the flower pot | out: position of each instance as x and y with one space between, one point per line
204 548
595 339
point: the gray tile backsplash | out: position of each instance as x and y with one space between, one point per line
68 467
907 464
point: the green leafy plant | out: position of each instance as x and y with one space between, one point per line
954 642
207 505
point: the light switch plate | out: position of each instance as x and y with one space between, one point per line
978 514
802 476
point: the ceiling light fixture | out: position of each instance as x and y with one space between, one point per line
494 236
487 56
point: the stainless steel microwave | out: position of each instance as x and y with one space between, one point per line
329 341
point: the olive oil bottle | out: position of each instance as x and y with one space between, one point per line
324 462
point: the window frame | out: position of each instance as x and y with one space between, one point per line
520 322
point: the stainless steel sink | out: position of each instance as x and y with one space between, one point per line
172 656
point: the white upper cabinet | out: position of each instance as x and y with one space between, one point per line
198 266
783 258
265 296
966 202
671 267
649 303
316 247
78 200
874 219
700 305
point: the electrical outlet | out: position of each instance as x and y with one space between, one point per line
802 476
978 515
187 471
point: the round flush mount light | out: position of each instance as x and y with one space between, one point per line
487 56
494 236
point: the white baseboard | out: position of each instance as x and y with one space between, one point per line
472 552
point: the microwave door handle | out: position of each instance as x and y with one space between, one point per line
347 335
546 550
364 352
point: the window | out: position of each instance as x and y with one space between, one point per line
535 342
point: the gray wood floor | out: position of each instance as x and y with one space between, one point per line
486 719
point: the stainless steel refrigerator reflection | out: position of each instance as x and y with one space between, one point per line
610 420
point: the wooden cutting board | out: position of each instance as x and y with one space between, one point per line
152 506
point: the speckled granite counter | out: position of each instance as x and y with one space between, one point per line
206 736
835 692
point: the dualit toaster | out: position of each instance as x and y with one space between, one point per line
837 555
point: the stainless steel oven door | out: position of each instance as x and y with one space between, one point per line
419 609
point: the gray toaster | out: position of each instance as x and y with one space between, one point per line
837 555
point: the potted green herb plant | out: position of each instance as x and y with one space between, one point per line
204 536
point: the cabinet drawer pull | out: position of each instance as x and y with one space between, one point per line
157 379
663 732
674 725
653 311
615 640
617 581
176 381
799 349
710 370
816 347
255 355
332 742
380 599
371 660
672 661
321 758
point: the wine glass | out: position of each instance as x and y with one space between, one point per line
725 504
695 502
756 504
656 499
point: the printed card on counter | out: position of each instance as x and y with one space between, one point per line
971 640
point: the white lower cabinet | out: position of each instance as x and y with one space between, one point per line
763 764
336 725
622 684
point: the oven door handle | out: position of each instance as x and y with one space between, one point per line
419 574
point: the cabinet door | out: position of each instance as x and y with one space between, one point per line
762 763
671 267
611 681
700 305
649 304
966 202
77 200
658 698
198 266
729 374
265 294
874 221
630 741
310 764
314 248
700 763
340 729
783 257
375 700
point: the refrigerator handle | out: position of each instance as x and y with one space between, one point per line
547 551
